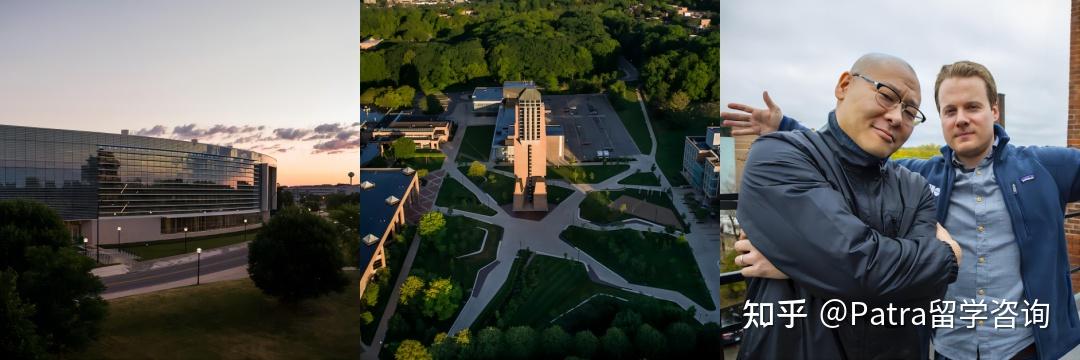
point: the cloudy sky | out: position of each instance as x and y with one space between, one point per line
797 49
278 76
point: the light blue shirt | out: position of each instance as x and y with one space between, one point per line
990 271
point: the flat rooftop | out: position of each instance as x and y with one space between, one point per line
375 213
487 94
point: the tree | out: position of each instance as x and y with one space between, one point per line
628 320
366 317
681 338
615 343
18 338
585 344
488 343
555 342
477 169
443 347
651 343
50 276
285 198
678 101
520 342
441 299
411 350
404 147
432 223
412 286
296 256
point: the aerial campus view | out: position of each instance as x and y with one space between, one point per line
544 180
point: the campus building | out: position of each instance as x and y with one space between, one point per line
121 188
384 194
427 131
529 140
709 163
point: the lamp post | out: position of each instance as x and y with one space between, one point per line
118 235
198 264
185 239
245 229
85 242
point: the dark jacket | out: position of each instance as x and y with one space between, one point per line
842 224
1037 182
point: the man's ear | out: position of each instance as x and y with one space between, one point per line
994 110
842 85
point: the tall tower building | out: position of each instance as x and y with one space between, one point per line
530 148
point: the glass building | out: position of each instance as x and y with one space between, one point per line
150 188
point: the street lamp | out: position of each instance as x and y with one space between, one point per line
86 250
245 229
118 236
198 264
185 239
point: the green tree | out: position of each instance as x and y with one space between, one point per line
441 299
410 288
585 344
412 350
678 101
366 317
50 275
296 256
615 344
555 342
444 347
371 295
488 342
432 224
18 338
627 319
681 338
404 147
520 342
651 344
477 169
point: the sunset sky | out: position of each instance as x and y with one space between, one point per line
278 77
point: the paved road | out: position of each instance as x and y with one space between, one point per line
209 264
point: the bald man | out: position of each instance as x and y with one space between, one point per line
843 224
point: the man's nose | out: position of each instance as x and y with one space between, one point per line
895 116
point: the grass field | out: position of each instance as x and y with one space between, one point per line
535 294
585 174
556 194
595 206
651 259
466 235
453 194
629 112
160 249
476 144
641 178
229 320
500 187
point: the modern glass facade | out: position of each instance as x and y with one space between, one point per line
87 175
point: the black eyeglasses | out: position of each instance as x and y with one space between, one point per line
889 98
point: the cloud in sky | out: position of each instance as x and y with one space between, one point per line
338 138
796 50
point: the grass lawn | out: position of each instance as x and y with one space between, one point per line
556 194
585 174
453 194
463 235
500 187
641 178
595 206
651 259
431 163
476 144
535 294
229 320
630 113
160 249
670 139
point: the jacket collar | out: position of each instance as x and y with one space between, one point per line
1001 138
853 154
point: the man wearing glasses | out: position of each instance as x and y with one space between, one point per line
1004 204
843 223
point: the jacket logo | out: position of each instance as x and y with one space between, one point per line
1027 178
934 189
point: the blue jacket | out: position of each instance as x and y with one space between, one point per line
1037 182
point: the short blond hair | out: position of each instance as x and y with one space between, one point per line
964 69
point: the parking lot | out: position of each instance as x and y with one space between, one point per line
590 124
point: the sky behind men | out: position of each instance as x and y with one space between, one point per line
796 49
